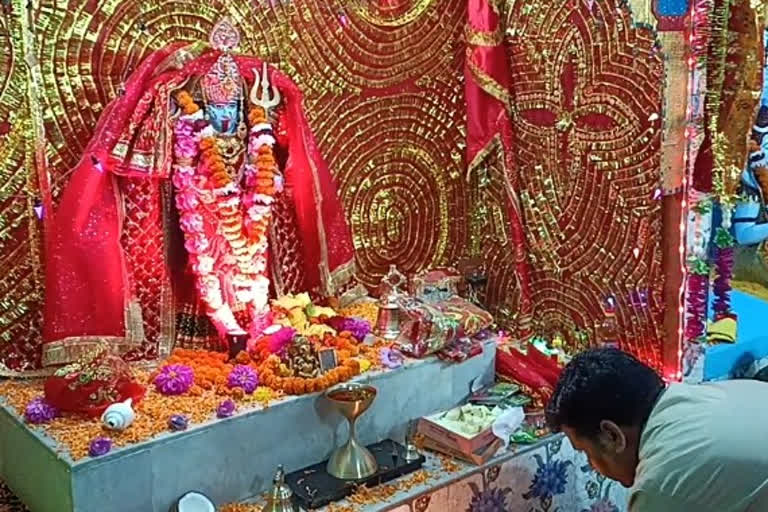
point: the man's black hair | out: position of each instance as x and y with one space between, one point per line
603 384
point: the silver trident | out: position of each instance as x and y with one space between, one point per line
266 100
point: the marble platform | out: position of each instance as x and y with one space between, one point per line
230 460
546 476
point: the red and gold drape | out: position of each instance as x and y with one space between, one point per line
568 96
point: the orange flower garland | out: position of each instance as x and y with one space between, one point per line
262 182
186 103
269 375
211 369
214 162
266 164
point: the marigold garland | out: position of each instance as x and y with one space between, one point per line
243 211
212 369
186 103
298 386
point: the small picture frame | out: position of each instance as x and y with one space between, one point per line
328 360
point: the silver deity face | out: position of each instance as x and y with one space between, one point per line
224 117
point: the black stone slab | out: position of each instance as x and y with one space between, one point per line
313 487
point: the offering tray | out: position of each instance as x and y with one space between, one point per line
313 487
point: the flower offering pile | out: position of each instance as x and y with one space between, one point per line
307 348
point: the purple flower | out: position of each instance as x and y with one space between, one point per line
604 505
225 409
39 411
175 379
489 500
358 327
549 480
99 446
243 377
178 422
391 358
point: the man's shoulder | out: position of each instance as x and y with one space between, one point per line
642 500
699 443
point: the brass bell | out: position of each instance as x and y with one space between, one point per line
280 498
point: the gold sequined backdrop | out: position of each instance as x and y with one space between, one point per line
383 92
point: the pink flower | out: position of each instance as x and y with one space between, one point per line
281 339
186 200
183 128
196 244
186 147
182 181
191 222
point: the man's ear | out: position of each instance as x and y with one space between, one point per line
612 437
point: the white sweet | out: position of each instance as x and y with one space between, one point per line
469 420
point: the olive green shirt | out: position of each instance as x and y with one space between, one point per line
705 449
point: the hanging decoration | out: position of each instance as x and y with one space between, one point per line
724 243
698 284
586 145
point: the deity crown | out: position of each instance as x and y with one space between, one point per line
223 83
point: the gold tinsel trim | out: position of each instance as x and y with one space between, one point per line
483 38
71 349
493 145
717 59
487 83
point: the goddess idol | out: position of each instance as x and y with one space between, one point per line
201 194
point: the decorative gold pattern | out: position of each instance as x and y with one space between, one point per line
398 166
481 38
587 84
397 14
20 282
72 349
